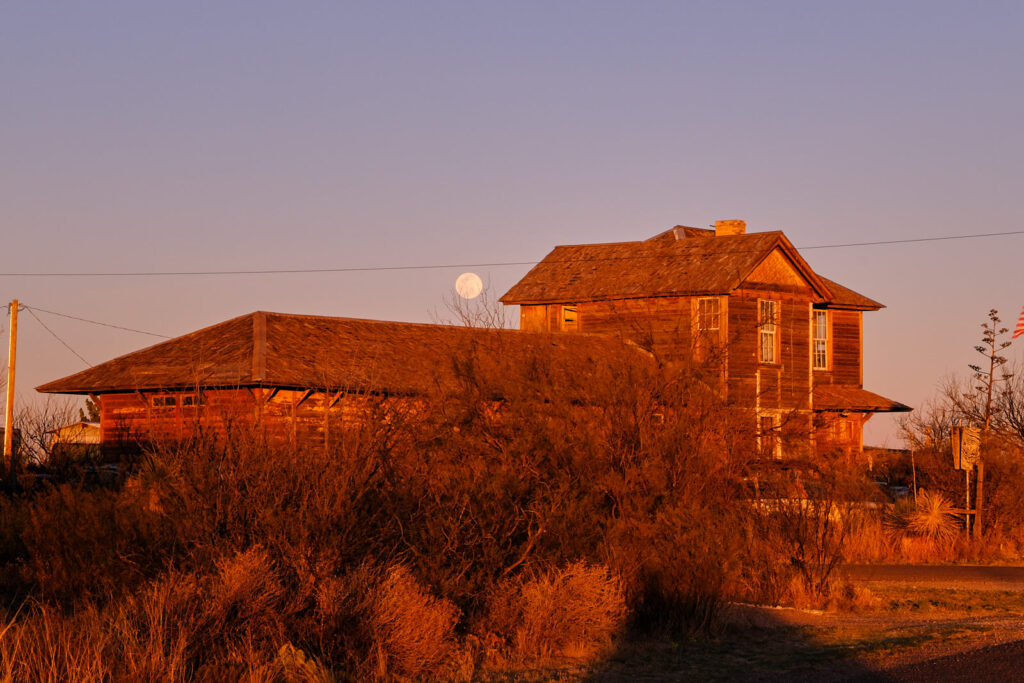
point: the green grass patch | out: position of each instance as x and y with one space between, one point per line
950 599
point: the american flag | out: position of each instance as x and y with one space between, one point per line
1020 326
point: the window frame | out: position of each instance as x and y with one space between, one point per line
768 329
769 439
717 315
567 325
706 326
164 401
821 338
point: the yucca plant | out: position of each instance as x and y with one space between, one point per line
932 518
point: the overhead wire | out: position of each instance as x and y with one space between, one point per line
96 322
495 264
66 345
33 309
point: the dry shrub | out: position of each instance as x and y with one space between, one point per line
82 543
151 634
295 666
413 631
871 541
574 612
682 563
49 646
244 601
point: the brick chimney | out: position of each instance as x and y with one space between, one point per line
726 228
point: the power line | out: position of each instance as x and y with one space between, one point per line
915 239
496 264
93 322
66 345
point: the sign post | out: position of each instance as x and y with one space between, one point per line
966 442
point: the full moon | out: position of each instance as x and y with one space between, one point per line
469 285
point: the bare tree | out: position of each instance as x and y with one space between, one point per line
482 311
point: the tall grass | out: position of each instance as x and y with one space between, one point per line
508 519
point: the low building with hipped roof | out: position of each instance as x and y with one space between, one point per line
301 378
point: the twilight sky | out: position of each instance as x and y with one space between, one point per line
196 136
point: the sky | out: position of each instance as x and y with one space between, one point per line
199 136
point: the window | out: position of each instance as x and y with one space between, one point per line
570 318
768 436
708 316
164 401
768 326
707 324
191 400
819 343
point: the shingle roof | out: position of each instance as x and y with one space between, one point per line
682 261
844 297
304 351
854 399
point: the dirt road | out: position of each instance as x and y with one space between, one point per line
978 577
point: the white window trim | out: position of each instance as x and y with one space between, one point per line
825 340
717 327
768 330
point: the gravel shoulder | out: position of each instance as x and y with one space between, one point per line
916 624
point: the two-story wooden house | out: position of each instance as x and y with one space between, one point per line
789 342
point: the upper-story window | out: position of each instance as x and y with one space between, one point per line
164 401
768 326
570 318
819 342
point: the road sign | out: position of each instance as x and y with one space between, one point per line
970 447
966 442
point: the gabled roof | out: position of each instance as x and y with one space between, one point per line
682 261
843 397
311 352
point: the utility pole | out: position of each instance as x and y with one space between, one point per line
9 412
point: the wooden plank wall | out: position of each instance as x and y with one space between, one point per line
836 434
845 349
661 324
303 418
785 385
846 344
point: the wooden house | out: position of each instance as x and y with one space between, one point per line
301 378
788 342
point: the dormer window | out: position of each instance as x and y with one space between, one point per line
570 318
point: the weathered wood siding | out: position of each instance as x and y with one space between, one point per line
835 433
661 324
847 357
301 418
